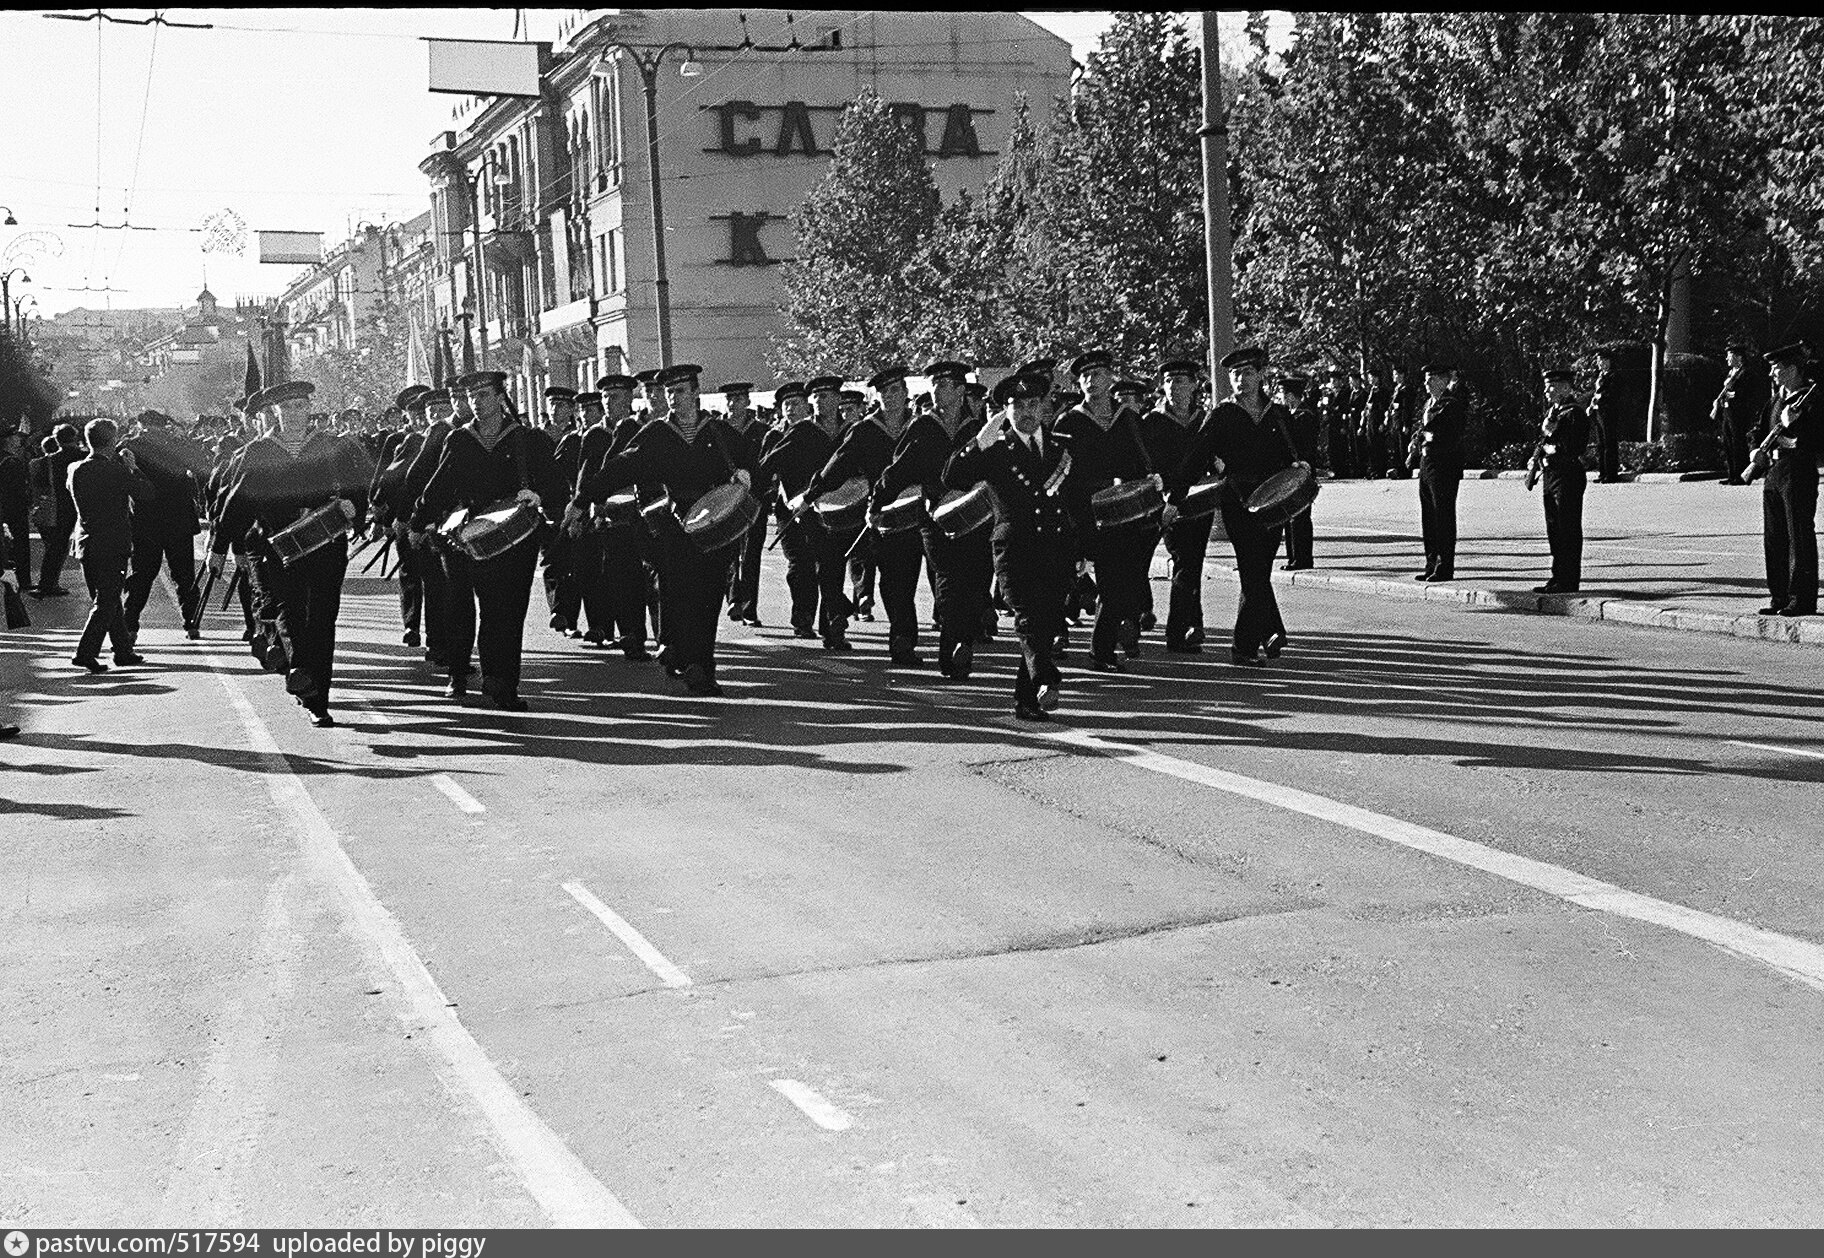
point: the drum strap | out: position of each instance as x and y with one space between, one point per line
1133 430
1285 433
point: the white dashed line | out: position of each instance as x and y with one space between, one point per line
811 1101
1798 959
636 943
1786 751
456 795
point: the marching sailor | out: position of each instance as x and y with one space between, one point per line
1168 435
746 437
794 457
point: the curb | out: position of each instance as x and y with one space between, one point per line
1806 631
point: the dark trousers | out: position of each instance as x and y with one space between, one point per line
17 518
627 585
1257 611
1299 539
1789 507
303 602
177 552
1121 557
959 572
433 577
56 549
561 594
1564 523
800 540
898 557
588 570
1035 576
502 589
104 575
834 607
744 574
862 569
691 587
1608 449
1438 516
411 586
1735 447
1186 542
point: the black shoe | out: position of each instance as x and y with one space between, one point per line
509 701
56 591
1425 575
1148 622
1048 698
126 659
89 662
1765 611
698 681
8 731
734 615
1027 712
636 654
752 622
963 661
1130 639
1442 574
1250 657
559 624
321 718
1106 664
837 642
904 656
804 631
410 638
458 687
1275 643
594 638
1798 609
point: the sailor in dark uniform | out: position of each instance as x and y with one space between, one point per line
748 436
1034 554
559 575
1168 431
397 449
687 455
283 477
1246 439
1559 456
1306 425
439 422
1439 441
819 608
494 459
1790 455
1107 448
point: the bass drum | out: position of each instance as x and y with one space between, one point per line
963 511
721 518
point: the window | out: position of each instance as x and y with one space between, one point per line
611 261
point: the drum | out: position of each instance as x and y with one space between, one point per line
497 529
963 511
661 521
844 508
721 517
905 512
311 533
1128 502
618 514
1283 497
1202 498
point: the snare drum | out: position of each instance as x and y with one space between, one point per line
721 517
844 508
619 513
1202 498
1128 502
963 511
494 531
310 533
905 512
1283 497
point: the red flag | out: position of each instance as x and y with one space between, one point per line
251 385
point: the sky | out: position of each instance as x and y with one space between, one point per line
293 119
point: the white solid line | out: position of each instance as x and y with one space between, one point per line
636 943
461 798
555 1177
811 1101
1798 959
1790 751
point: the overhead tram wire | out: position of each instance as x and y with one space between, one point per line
139 148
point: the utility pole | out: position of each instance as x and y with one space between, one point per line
1218 248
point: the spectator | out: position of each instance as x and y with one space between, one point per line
61 451
162 528
16 501
103 487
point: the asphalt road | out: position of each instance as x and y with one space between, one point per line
1448 917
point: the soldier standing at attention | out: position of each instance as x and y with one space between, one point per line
1789 502
1737 410
1440 447
1304 423
1559 456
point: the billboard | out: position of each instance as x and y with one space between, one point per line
305 248
483 67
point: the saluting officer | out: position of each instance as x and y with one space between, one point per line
1034 553
1559 456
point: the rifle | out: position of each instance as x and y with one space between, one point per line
378 556
193 623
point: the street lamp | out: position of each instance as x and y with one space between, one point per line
646 58
10 220
502 179
18 312
6 292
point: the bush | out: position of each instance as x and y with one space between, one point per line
1512 457
1680 452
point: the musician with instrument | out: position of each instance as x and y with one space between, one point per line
1168 432
819 607
165 523
1028 471
1738 409
613 556
1115 496
1306 423
1247 440
687 456
292 506
439 422
1558 456
1789 458
958 564
1437 452
558 574
485 497
397 450
747 439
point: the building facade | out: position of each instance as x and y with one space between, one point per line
549 204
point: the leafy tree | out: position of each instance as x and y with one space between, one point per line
855 294
367 374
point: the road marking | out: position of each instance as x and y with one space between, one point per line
554 1176
1790 751
1798 959
811 1101
636 943
461 798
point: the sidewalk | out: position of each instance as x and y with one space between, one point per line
1667 555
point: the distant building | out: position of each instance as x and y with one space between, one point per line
180 360
746 108
323 307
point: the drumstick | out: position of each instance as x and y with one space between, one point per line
240 575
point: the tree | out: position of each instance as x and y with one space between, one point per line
369 373
855 294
